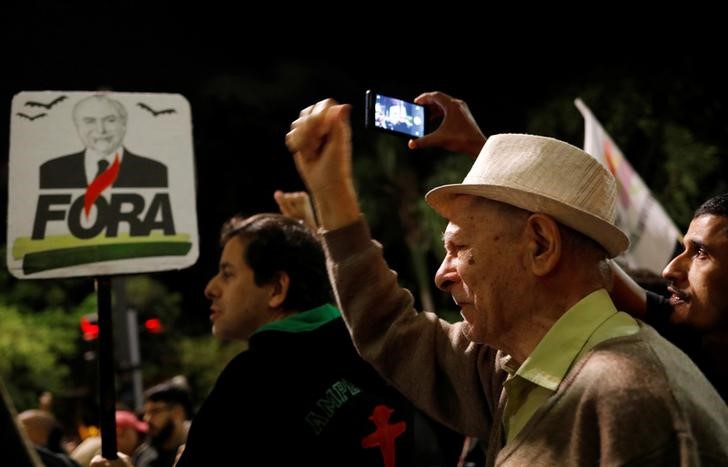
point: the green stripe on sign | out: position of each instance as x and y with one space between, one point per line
64 257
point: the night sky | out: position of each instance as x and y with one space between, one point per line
247 74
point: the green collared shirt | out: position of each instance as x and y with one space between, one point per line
304 321
590 321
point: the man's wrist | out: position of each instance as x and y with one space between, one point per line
337 206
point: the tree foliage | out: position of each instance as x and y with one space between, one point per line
391 181
39 338
37 350
672 135
43 349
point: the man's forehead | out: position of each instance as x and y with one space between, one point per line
233 251
708 228
95 106
153 404
468 209
235 243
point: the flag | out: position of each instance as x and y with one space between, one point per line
653 235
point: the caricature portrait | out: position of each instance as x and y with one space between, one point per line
101 125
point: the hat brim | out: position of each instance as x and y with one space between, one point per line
600 230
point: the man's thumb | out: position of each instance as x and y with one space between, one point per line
343 112
340 120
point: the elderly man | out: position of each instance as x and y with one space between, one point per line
695 319
543 366
101 125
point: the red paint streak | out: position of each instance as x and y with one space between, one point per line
99 184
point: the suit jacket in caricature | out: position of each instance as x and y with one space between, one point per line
134 172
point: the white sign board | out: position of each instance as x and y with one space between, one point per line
99 184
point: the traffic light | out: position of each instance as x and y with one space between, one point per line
153 326
90 326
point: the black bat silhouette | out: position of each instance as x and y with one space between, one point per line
20 114
48 105
155 112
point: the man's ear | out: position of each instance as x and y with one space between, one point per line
179 412
279 291
544 244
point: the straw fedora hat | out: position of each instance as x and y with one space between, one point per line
543 175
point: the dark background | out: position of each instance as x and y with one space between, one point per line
247 70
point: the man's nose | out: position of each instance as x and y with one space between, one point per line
446 275
210 289
675 270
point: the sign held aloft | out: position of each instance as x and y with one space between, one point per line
100 184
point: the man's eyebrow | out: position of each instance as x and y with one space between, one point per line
695 243
449 236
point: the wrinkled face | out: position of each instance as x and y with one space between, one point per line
699 275
100 125
239 306
482 269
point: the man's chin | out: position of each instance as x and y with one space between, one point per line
105 148
681 314
701 320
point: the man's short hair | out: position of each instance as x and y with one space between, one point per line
275 244
173 393
577 241
715 206
117 105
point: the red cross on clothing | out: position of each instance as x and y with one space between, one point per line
385 435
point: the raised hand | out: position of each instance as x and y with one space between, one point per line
458 132
296 205
320 140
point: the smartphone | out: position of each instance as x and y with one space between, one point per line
394 115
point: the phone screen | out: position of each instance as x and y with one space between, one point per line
392 114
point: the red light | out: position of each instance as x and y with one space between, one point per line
90 329
153 326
